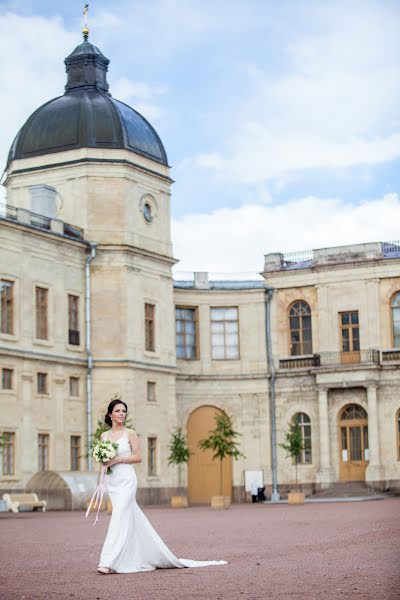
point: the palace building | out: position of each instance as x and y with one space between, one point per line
90 310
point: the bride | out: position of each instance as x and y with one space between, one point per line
131 545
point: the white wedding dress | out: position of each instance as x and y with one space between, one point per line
132 545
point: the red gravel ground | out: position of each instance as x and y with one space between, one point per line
275 552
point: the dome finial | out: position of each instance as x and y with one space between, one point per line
85 29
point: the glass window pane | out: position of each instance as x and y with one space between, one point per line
344 438
345 346
218 352
355 443
345 334
396 300
306 335
354 318
218 339
307 347
345 318
295 350
231 339
189 339
231 314
295 337
232 352
231 326
217 327
180 352
190 326
294 322
217 314
191 352
306 321
356 345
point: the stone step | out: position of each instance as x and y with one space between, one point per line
347 489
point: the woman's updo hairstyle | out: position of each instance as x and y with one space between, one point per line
113 403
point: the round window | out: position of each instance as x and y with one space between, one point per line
147 212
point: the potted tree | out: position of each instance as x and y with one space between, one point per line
179 454
294 445
222 441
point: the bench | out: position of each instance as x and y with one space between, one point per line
14 501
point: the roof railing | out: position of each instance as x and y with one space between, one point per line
38 221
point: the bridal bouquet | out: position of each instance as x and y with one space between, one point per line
103 451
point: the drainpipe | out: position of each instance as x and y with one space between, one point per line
89 352
271 368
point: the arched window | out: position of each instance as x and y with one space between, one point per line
398 433
303 421
300 329
395 306
353 412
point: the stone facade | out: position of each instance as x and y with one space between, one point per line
101 216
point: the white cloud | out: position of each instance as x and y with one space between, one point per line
140 95
235 239
32 51
334 104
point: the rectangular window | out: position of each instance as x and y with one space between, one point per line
75 452
74 386
151 391
42 313
8 453
224 333
73 320
42 387
149 317
152 456
186 333
6 306
7 379
43 452
350 336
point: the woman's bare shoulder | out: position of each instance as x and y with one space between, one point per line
131 432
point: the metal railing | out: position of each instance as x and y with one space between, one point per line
390 247
297 257
27 217
39 221
370 356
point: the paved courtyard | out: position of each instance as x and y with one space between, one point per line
316 551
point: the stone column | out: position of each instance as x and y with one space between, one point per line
325 474
374 470
28 446
60 460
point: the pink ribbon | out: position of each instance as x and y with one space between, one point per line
98 495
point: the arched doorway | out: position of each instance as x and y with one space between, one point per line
354 448
203 471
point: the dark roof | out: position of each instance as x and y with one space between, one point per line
86 116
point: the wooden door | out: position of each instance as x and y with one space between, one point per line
354 448
203 471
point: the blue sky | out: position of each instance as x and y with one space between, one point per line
267 110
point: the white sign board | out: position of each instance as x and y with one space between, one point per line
250 476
